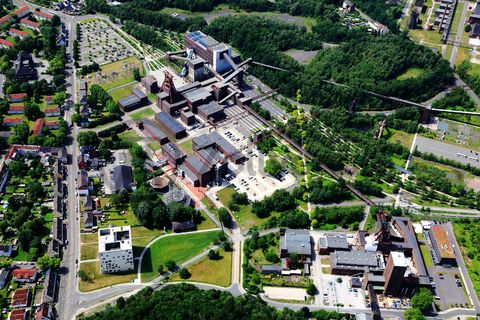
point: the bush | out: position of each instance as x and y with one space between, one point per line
422 299
311 289
119 128
104 120
171 265
213 255
184 273
83 275
225 217
272 257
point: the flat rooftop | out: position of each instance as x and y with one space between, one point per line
114 238
443 243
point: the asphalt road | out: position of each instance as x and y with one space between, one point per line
458 35
447 151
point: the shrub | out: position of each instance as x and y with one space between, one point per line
184 273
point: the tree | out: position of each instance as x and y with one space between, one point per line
171 265
468 28
45 262
184 273
180 212
32 111
311 289
240 198
414 314
161 269
121 303
213 255
273 167
88 138
136 74
272 257
422 299
225 217
83 275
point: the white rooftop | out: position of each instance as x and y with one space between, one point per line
399 259
114 238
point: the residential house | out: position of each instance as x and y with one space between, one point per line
18 314
6 18
50 286
82 183
17 33
38 127
6 44
44 312
25 67
10 122
49 100
20 298
30 24
295 242
6 250
88 203
52 124
52 112
25 275
42 15
4 273
17 97
22 12
15 110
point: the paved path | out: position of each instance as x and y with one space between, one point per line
123 85
458 36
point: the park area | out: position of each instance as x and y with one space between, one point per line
217 272
178 248
468 235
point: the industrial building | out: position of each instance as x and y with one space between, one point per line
395 271
171 125
115 250
173 154
296 242
137 99
154 132
187 117
331 243
355 262
442 248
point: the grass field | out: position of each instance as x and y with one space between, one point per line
142 114
89 251
217 272
245 217
130 136
207 223
467 237
402 137
99 280
123 77
89 237
186 146
122 92
410 73
155 146
427 257
178 248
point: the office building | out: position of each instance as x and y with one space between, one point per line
115 250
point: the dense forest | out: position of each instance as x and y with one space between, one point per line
185 301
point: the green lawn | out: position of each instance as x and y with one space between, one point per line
122 92
178 248
427 257
410 73
467 232
89 251
217 272
142 114
130 136
123 76
186 146
245 217
101 280
155 146
401 137
206 223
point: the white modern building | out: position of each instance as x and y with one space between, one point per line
115 250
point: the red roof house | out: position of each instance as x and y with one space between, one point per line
42 15
30 24
52 124
52 112
49 99
43 312
10 122
24 275
6 44
17 97
38 126
22 11
18 314
5 18
17 33
20 298
15 110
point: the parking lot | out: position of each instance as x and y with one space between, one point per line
448 151
100 43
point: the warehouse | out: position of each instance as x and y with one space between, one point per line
137 99
353 262
171 125
173 154
154 131
211 112
227 148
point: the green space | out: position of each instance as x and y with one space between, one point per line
186 146
122 92
97 280
455 175
217 272
244 216
130 136
411 73
123 77
142 114
89 237
427 257
155 146
178 248
467 234
89 251
206 223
